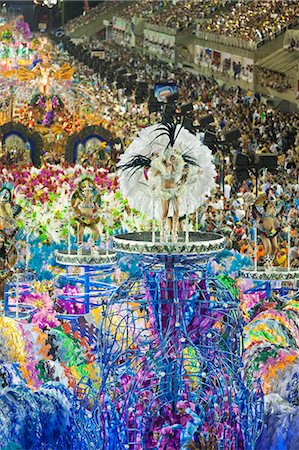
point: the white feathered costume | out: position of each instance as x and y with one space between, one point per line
139 165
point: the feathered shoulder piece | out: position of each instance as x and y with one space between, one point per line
172 131
135 163
25 74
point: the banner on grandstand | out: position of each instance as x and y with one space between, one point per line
122 31
159 43
238 67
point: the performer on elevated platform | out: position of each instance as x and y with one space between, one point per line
8 253
266 211
166 173
86 202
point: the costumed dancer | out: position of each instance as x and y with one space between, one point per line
86 202
166 173
44 72
266 210
8 253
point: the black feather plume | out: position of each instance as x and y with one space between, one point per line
169 130
189 160
136 163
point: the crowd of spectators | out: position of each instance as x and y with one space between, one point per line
172 13
254 20
263 129
182 14
175 14
88 16
143 9
272 79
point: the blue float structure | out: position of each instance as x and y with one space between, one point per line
170 355
20 283
272 281
86 271
276 283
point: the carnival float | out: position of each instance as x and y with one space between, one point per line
123 325
46 113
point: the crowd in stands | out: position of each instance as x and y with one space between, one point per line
143 9
183 14
254 20
133 9
173 13
263 130
272 79
87 16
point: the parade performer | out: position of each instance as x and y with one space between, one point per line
8 253
266 210
86 201
8 210
166 173
44 72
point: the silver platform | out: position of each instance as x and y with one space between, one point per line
272 274
101 258
205 244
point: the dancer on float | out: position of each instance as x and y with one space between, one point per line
8 253
266 211
86 202
166 173
44 72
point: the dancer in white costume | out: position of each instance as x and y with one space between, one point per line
166 173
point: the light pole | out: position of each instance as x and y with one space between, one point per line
62 12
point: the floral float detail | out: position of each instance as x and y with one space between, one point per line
23 28
52 185
45 109
44 316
